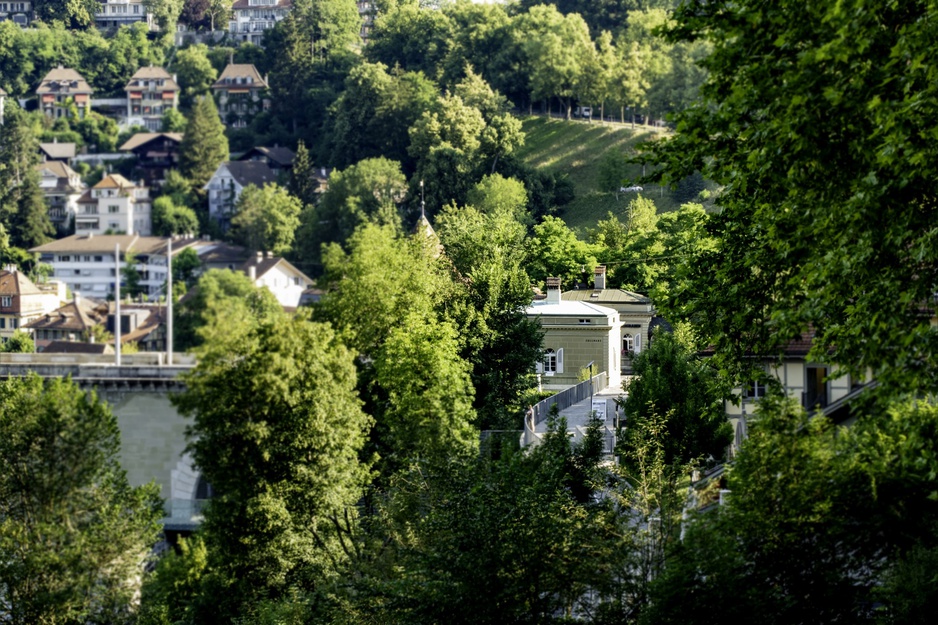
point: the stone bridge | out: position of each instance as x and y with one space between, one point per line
152 431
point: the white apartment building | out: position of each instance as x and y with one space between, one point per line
20 13
250 18
227 183
116 13
114 206
85 263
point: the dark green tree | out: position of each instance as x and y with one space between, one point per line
169 219
19 343
266 219
74 536
672 382
277 429
23 210
195 73
814 109
205 146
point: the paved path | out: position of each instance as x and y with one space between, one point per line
578 414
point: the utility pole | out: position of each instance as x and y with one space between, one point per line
117 304
169 301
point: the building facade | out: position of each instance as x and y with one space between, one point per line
86 263
62 187
151 92
115 205
250 18
635 312
241 93
21 301
575 335
60 90
226 184
117 13
17 11
156 152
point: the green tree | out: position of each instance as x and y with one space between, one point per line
130 275
781 264
218 10
205 146
169 590
195 72
22 205
19 343
74 535
186 266
412 37
818 517
224 305
173 121
277 429
73 14
372 191
169 219
672 382
166 13
304 184
556 251
266 219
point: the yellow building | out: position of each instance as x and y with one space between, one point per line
576 334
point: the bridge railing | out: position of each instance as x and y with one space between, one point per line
568 397
140 359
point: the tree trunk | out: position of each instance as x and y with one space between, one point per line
622 113
602 112
569 109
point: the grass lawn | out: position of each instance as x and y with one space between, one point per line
576 149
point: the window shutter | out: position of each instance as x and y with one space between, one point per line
638 342
560 360
539 367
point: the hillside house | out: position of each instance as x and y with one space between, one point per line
228 182
156 152
61 187
117 13
62 88
636 313
250 18
241 93
22 302
86 262
114 205
19 12
71 322
277 275
151 91
575 334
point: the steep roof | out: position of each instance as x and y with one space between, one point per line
152 73
251 172
2 92
58 150
63 174
64 80
229 77
142 138
222 254
16 283
281 156
75 316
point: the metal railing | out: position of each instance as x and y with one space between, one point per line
568 397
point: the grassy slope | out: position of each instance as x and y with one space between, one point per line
576 148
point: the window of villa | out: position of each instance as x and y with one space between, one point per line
628 342
550 361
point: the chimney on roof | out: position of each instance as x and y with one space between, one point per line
553 290
599 277
77 296
252 273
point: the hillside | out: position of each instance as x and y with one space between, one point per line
577 148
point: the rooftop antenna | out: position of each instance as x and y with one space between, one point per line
423 204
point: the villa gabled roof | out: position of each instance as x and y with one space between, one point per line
64 80
248 74
152 73
250 172
281 156
75 316
17 283
57 150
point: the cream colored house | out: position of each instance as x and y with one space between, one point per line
114 206
21 301
635 312
576 333
63 87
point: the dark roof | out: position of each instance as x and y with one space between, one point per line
72 317
281 156
223 254
63 80
251 172
76 347
603 296
143 138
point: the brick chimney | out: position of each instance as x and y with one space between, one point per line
599 277
553 290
